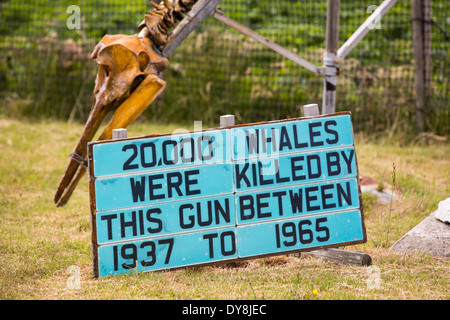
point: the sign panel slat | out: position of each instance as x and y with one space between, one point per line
163 186
283 137
296 201
301 233
293 169
161 153
170 201
186 249
165 219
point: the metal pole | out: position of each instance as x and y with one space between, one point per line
364 29
330 56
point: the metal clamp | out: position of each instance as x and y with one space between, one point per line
79 159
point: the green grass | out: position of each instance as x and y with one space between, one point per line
39 243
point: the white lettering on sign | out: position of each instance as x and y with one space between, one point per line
195 198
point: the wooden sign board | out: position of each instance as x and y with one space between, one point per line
190 199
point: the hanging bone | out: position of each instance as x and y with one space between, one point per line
127 80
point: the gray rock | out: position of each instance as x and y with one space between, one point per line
430 236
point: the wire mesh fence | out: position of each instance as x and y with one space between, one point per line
46 70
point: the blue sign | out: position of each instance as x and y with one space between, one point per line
169 201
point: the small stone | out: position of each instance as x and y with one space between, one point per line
443 211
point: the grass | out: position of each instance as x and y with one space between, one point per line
40 244
218 70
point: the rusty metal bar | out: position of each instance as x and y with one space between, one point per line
329 57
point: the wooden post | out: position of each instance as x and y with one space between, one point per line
426 13
419 81
118 134
227 120
330 56
346 257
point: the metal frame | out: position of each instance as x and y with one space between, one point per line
332 56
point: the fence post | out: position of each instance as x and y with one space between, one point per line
419 83
330 56
426 13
